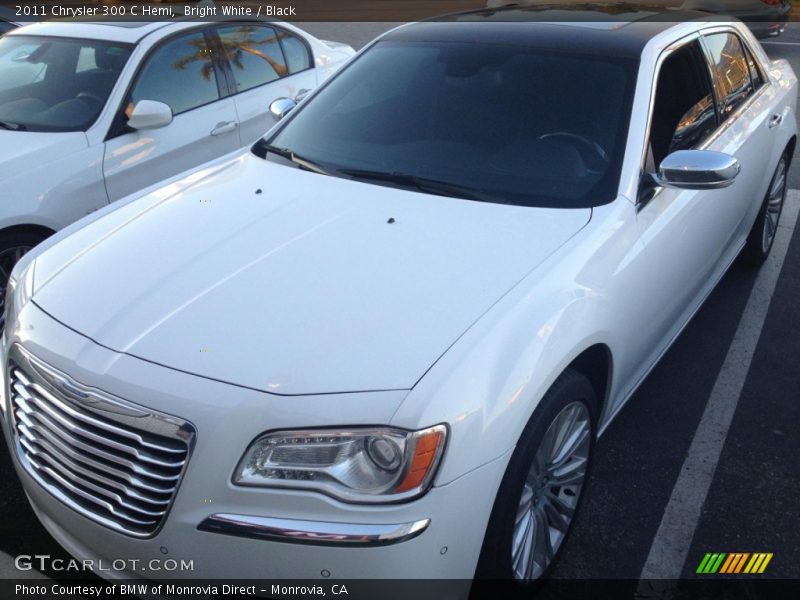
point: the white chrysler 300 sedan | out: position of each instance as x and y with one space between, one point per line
399 322
93 112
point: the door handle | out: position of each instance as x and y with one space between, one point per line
775 120
224 127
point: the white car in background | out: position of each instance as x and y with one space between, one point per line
92 112
8 20
6 26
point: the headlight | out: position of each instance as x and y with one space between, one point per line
18 291
356 465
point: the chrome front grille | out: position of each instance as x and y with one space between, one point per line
112 461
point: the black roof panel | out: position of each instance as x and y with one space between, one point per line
579 30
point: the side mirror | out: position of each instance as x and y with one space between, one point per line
697 170
149 114
281 107
301 95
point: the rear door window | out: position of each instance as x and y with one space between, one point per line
254 54
298 57
730 71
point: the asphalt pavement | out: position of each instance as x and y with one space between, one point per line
751 503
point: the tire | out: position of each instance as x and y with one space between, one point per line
13 246
762 235
571 394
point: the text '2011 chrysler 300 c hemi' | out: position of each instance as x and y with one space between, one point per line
400 321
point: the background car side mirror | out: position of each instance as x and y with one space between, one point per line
697 170
149 114
280 107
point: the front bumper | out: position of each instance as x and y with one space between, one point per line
436 536
313 533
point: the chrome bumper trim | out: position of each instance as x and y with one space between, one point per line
312 532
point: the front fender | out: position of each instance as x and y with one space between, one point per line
487 386
55 193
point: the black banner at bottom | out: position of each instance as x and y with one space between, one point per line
382 589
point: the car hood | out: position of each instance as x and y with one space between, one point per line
286 281
24 150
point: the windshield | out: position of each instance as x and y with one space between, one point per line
492 122
56 84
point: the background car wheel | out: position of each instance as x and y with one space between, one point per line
762 236
13 246
543 484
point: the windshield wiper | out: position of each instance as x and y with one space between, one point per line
12 126
291 156
422 184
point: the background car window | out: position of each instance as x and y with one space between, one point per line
53 84
683 113
730 71
16 70
254 53
298 57
180 73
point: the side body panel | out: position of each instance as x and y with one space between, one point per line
603 287
252 106
56 190
141 158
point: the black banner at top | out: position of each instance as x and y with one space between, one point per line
771 11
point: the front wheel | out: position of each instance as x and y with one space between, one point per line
13 246
762 236
543 484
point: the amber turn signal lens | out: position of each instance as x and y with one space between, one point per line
426 452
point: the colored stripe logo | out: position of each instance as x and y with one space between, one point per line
733 563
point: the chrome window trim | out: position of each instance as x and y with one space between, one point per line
318 533
722 127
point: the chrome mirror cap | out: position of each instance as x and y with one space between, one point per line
698 170
281 107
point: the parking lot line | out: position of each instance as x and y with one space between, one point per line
671 544
781 43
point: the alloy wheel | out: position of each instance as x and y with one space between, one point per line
777 194
551 492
